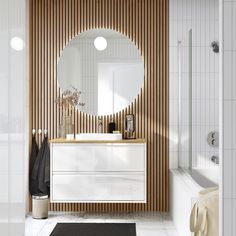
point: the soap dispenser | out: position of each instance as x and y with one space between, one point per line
100 125
129 126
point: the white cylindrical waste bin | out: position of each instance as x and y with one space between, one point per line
40 206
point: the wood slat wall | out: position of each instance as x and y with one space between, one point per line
52 24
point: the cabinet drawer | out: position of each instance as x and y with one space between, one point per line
82 157
98 188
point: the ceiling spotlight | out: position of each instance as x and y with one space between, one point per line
100 43
17 43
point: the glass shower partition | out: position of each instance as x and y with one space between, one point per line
185 102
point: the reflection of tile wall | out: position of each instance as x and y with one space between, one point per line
228 117
118 50
202 17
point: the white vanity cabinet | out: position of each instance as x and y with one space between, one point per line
98 171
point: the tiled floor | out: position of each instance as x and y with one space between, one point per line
147 224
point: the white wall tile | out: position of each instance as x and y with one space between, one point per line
233 124
228 75
233 25
227 34
233 78
173 92
233 162
173 160
228 218
228 174
227 124
233 206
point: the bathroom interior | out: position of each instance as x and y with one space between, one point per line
122 115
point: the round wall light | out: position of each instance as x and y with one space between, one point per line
17 43
100 43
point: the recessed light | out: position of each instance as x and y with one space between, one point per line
17 43
100 43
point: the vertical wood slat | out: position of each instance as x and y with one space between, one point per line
53 24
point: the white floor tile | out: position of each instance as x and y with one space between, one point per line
172 232
147 216
32 232
147 223
145 231
168 223
48 228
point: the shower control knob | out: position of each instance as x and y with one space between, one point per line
213 139
213 142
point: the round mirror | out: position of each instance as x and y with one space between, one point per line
106 67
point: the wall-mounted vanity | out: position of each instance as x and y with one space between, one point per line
98 171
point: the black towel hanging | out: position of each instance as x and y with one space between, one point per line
44 168
40 175
34 154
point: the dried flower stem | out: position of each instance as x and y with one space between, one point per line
70 98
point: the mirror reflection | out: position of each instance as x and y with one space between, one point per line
106 67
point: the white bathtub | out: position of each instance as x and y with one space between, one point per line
206 177
184 190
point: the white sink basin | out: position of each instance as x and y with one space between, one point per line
98 136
